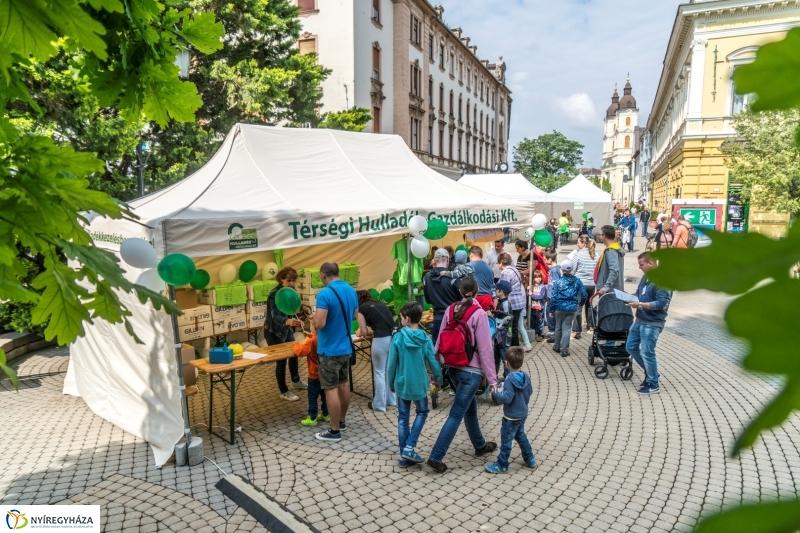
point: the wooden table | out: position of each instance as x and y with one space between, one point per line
225 375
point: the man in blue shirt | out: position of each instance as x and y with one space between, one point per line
651 315
484 276
337 307
629 222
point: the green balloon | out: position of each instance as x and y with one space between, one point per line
387 296
543 238
585 216
201 280
462 247
288 301
177 269
437 229
354 327
248 270
374 293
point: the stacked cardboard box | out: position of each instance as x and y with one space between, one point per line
196 321
189 372
228 318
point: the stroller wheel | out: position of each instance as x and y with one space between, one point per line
591 355
626 373
601 371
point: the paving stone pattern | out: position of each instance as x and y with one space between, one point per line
610 460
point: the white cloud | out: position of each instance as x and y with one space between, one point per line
579 109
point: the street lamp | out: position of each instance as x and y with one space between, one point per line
142 155
501 167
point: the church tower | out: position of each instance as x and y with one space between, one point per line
620 141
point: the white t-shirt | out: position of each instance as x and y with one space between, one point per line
491 260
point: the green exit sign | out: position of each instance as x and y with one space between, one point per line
700 217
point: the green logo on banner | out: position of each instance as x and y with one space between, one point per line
240 238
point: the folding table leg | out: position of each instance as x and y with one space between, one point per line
233 407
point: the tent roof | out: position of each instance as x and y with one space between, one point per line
579 189
263 169
514 186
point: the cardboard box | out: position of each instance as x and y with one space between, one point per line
228 311
195 315
256 320
224 295
195 331
308 299
256 308
258 291
186 298
305 288
187 353
189 375
226 325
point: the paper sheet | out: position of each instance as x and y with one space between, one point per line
625 297
253 355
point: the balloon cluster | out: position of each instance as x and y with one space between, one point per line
421 230
174 269
537 232
247 271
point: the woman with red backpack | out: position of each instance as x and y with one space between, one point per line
465 347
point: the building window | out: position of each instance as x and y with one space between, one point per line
430 139
739 102
307 5
480 161
487 124
376 11
468 113
627 141
376 120
469 77
502 138
494 100
467 154
481 122
415 134
452 64
441 141
415 33
628 121
459 148
475 117
441 97
376 63
460 105
492 130
460 71
307 46
474 150
451 104
441 56
481 90
430 90
416 80
450 148
475 83
430 47
502 106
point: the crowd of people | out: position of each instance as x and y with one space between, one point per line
482 308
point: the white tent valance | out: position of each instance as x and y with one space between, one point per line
512 186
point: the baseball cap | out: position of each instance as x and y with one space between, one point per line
566 264
504 286
441 253
461 257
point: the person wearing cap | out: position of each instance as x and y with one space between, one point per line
439 290
566 297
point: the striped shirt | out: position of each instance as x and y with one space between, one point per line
583 266
517 297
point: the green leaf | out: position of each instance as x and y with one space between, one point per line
733 264
168 97
777 517
203 32
7 370
60 303
10 286
773 76
106 305
773 415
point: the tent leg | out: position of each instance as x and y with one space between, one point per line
190 443
410 269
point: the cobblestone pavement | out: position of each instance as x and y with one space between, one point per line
610 459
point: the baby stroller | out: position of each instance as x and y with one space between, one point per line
612 320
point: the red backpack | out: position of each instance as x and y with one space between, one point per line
456 345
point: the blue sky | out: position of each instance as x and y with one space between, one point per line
564 56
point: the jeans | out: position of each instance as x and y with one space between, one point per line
523 331
408 438
630 242
465 407
435 327
577 326
380 357
641 345
510 431
280 366
551 319
644 228
499 357
315 391
563 328
515 320
537 320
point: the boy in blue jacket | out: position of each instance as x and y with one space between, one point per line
515 395
408 379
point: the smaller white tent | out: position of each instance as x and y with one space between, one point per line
580 196
513 186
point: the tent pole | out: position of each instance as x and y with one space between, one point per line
410 267
184 403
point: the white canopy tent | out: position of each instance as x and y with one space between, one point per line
513 186
580 196
313 193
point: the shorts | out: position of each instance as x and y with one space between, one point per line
333 371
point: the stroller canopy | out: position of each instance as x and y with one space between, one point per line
613 316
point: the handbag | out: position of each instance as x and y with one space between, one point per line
353 360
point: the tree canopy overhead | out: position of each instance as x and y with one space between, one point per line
549 161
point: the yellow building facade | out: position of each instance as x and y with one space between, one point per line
695 102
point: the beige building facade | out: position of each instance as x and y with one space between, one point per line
695 102
420 78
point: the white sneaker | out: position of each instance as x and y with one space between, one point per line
290 396
299 384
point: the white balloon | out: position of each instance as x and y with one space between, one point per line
538 222
529 233
150 279
138 253
269 271
227 274
417 225
420 247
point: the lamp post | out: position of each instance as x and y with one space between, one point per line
501 167
142 155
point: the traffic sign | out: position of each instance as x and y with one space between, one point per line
700 217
